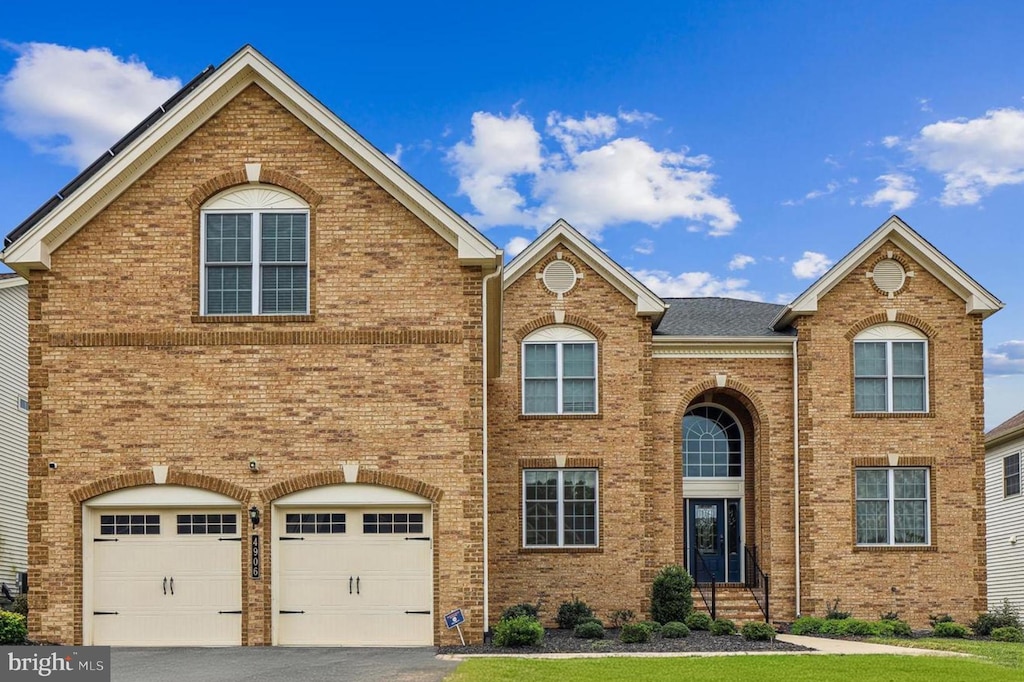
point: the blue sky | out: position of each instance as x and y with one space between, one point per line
713 148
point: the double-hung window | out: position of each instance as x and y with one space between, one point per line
559 372
255 253
893 506
1011 475
560 507
890 370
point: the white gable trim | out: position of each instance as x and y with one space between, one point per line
10 283
647 302
246 67
976 298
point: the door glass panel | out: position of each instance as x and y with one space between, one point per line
705 520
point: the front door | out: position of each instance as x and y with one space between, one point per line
707 540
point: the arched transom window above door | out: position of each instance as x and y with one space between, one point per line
712 444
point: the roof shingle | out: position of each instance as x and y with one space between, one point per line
720 317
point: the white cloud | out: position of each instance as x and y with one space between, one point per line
694 284
1005 358
516 246
974 156
644 247
396 155
924 103
634 116
830 160
898 190
890 141
740 261
594 179
784 298
811 265
830 188
76 103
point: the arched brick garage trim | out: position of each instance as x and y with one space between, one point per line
133 479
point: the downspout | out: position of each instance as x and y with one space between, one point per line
796 471
487 589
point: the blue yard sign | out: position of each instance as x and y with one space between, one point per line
454 618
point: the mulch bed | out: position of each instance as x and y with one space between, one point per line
563 642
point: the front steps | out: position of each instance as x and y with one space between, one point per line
732 601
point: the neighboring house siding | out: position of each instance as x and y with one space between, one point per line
949 575
13 429
386 375
1005 521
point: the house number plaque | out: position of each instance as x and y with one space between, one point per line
255 557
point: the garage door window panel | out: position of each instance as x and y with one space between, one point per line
314 523
392 523
207 524
129 524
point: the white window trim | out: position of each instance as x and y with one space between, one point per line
891 490
557 336
561 508
272 201
1020 474
743 447
889 334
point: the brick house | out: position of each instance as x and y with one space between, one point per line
280 394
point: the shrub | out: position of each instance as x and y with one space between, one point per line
571 613
1004 617
949 629
13 628
600 645
1008 634
518 631
698 620
832 611
634 633
671 597
894 627
852 627
590 620
589 630
19 605
524 609
758 632
652 626
723 626
806 625
935 619
890 615
620 617
674 630
832 628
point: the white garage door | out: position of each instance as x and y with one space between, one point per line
166 577
353 576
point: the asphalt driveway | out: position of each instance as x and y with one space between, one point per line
271 664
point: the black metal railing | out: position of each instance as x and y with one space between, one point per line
704 581
757 581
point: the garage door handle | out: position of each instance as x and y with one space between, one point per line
357 585
291 611
350 584
104 613
421 539
165 584
172 587
425 613
238 612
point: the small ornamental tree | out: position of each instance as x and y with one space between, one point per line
671 598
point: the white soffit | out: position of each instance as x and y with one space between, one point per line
647 302
245 67
976 297
162 496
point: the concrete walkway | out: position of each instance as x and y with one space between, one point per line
824 645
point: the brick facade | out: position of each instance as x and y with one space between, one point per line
386 371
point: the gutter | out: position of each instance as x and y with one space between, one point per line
796 472
483 296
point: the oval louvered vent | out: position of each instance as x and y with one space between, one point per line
889 276
559 276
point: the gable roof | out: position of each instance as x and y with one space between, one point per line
647 302
30 245
1008 430
720 317
975 296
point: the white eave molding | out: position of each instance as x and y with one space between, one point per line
11 282
722 346
247 66
977 299
648 304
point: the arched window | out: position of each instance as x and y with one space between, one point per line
559 371
712 444
255 252
890 369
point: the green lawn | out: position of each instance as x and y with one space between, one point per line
1007 654
784 668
